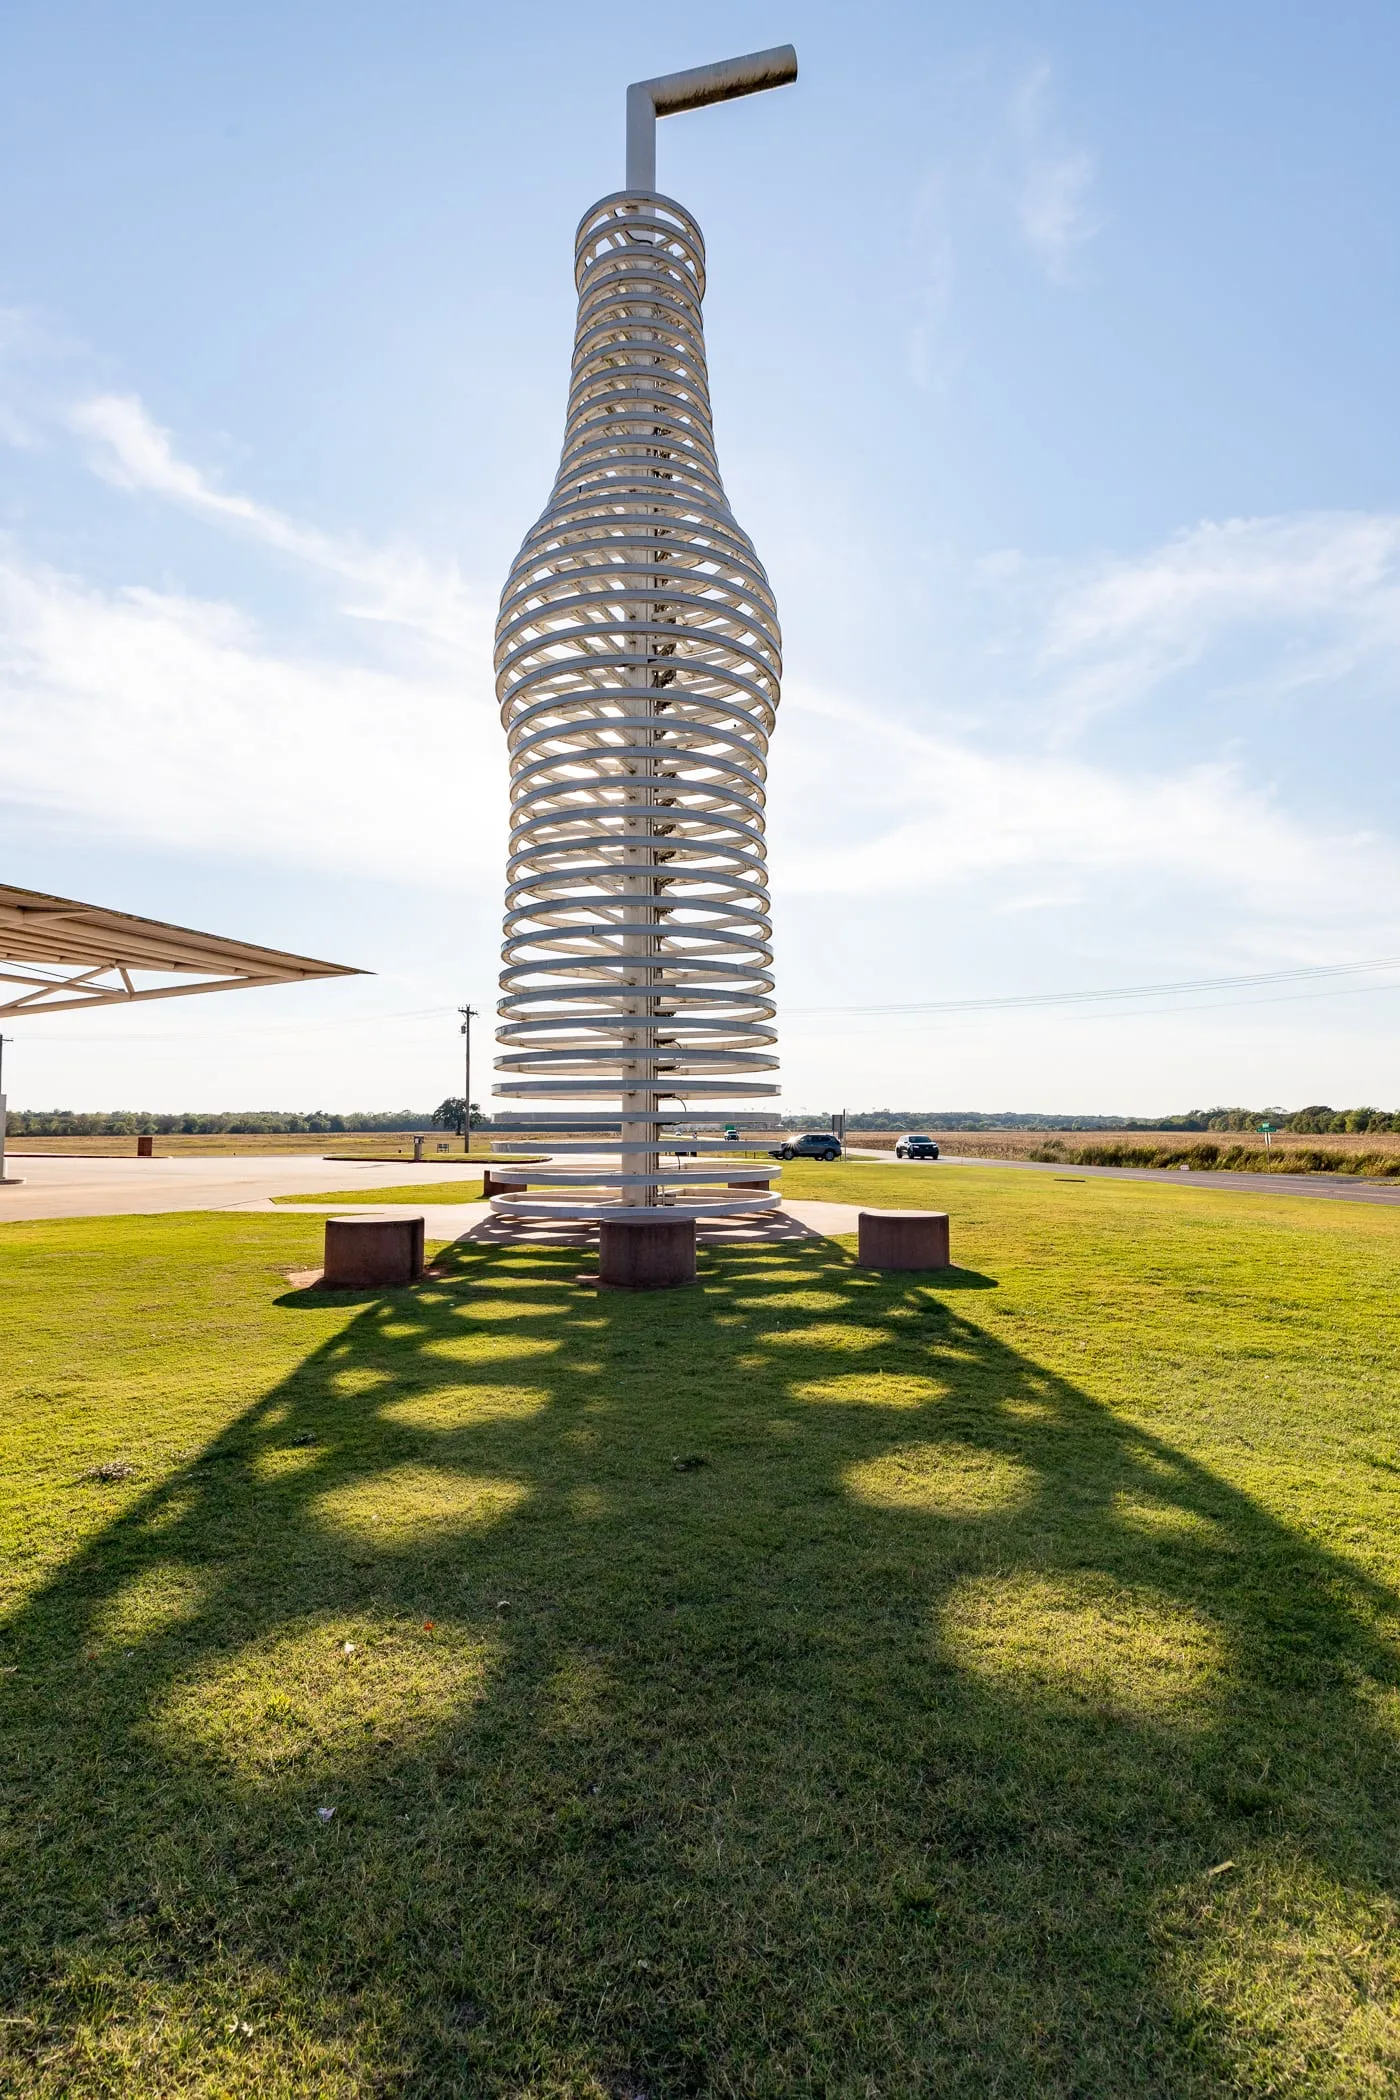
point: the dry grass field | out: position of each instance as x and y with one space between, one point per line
1377 1152
338 1144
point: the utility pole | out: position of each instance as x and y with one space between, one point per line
469 1014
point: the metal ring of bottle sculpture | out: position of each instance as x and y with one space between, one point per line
638 664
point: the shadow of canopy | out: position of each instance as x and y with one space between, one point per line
779 1686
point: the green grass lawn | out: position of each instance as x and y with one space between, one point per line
409 1192
815 1682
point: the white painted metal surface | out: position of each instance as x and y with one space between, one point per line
638 665
57 954
672 93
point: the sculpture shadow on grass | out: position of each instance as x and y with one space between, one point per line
781 1686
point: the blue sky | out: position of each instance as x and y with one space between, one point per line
1053 354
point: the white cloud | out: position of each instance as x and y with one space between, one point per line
171 719
1007 806
1002 168
174 721
177 721
392 584
1316 595
167 718
1054 181
24 341
1340 565
935 815
932 272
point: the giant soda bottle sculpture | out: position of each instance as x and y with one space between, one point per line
637 668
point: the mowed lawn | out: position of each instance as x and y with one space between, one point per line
814 1682
406 1192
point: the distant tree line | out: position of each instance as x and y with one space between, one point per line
128 1122
1316 1121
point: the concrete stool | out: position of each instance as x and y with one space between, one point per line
496 1185
903 1239
145 1145
362 1253
646 1254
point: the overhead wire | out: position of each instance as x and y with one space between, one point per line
1181 987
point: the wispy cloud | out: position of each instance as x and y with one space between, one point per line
177 719
1012 798
175 722
1054 181
1004 172
131 450
1026 829
1315 595
933 256
1338 565
26 342
174 719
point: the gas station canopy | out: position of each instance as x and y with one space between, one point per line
56 954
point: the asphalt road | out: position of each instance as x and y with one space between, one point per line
98 1188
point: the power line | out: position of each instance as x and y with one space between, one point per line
1182 987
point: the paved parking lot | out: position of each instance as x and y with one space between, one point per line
99 1188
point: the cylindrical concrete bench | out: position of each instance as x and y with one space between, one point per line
497 1185
145 1145
367 1253
903 1239
647 1254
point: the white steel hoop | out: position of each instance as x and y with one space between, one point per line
637 669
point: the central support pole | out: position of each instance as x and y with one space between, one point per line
640 1155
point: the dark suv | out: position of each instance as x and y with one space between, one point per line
813 1144
912 1146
